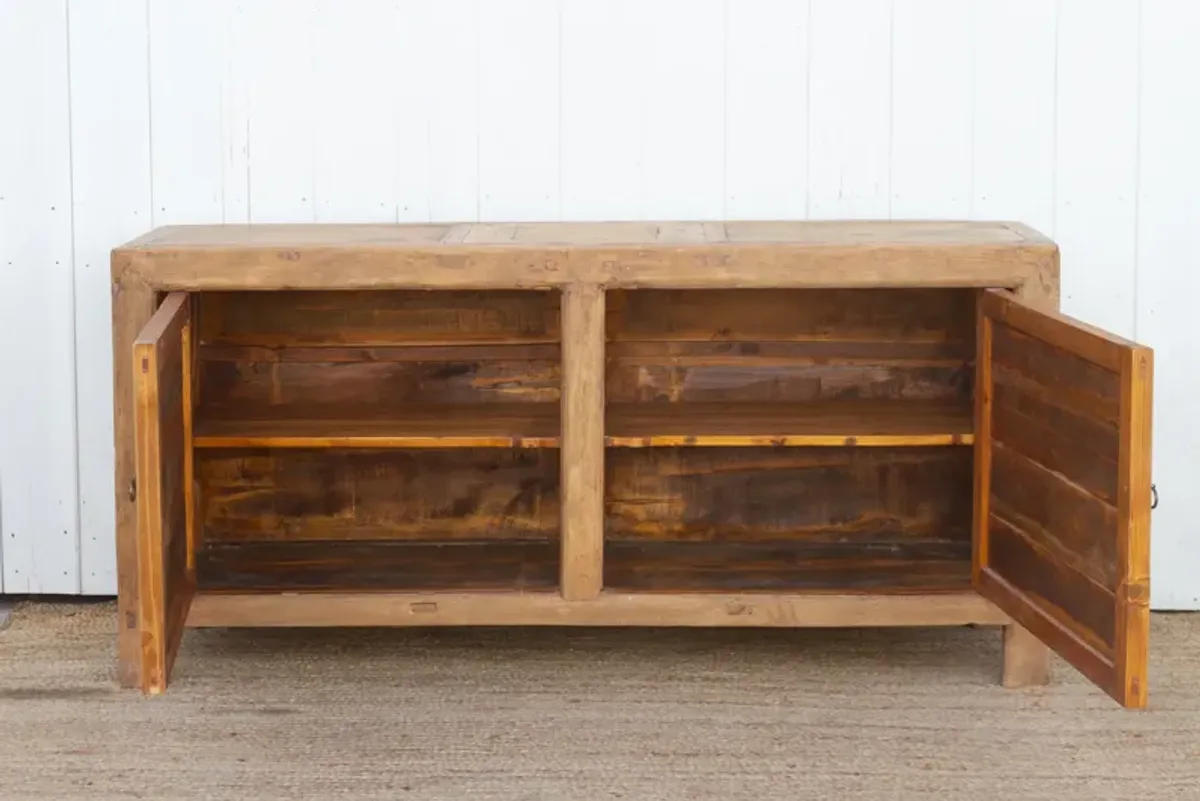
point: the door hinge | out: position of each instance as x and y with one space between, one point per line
1153 497
132 489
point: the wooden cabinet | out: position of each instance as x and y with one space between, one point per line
697 424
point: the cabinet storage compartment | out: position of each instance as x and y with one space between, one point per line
377 440
601 425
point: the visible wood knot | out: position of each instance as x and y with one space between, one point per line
734 608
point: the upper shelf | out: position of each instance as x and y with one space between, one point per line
640 425
885 423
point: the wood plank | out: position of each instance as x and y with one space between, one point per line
785 254
1079 604
582 441
377 318
520 425
335 354
461 494
161 390
1055 376
726 379
1132 645
1058 330
133 304
500 564
188 402
831 424
918 316
1078 528
452 378
786 566
1036 438
867 496
982 473
806 352
607 609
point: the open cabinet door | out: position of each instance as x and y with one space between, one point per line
162 403
1062 487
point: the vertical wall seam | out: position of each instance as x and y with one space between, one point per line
972 69
891 103
150 107
725 109
1054 122
74 322
808 47
559 8
478 115
1137 168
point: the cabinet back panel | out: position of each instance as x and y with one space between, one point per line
843 495
520 565
378 348
790 345
788 519
385 317
459 494
443 375
918 567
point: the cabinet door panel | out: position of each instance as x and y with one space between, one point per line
163 406
1062 487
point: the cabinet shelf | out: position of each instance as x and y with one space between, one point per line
492 425
631 425
885 423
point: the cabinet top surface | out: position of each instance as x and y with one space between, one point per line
590 235
683 254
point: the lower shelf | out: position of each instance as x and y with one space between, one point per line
782 566
378 565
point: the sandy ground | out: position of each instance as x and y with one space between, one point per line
582 714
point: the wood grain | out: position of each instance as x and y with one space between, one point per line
1061 592
790 345
607 609
519 425
1133 535
634 254
833 495
165 583
500 564
133 304
446 377
792 315
752 379
1068 427
1074 526
459 494
377 318
830 424
582 441
786 565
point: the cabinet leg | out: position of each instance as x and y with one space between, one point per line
1026 658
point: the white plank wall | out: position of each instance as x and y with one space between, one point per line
1080 117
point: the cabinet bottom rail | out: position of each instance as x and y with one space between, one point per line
316 609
